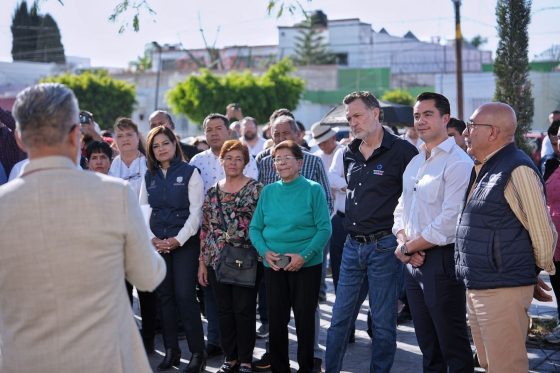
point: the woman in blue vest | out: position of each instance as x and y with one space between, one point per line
174 191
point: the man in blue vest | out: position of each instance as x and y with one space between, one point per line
505 237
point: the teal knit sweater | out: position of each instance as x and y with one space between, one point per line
292 218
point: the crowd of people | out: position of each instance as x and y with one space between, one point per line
450 219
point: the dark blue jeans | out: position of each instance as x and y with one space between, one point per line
375 263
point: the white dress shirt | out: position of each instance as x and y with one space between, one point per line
133 174
255 149
337 180
196 198
212 171
433 192
336 176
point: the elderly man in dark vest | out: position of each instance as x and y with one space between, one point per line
505 237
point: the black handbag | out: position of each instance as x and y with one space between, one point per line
237 264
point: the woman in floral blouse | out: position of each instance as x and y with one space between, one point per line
236 304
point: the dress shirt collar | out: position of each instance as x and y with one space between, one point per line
446 146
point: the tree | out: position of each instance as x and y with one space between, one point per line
35 37
143 63
511 65
107 98
398 96
200 95
477 41
310 46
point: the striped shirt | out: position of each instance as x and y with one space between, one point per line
312 169
525 196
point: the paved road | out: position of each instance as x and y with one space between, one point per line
408 357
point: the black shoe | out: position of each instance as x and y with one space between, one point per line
317 363
245 369
263 364
213 350
172 359
404 316
228 368
352 337
197 363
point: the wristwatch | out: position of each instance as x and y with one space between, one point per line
404 250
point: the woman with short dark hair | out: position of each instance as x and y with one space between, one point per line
174 191
290 227
238 195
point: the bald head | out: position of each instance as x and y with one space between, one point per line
491 127
500 115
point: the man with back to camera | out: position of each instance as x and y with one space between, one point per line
69 240
434 184
374 163
504 238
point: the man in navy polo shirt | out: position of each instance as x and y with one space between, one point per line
373 164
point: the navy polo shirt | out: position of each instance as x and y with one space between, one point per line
375 184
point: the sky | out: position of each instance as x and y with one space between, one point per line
87 32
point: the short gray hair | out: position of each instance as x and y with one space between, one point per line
45 114
285 119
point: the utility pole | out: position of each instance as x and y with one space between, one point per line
158 47
458 57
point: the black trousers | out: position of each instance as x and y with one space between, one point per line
177 292
336 246
148 312
236 315
297 291
437 303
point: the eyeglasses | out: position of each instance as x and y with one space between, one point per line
284 159
133 177
471 125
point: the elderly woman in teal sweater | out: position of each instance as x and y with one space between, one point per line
290 227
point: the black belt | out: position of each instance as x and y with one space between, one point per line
368 238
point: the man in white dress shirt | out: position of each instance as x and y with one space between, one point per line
434 185
216 130
250 136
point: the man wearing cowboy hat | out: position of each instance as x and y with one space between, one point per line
324 136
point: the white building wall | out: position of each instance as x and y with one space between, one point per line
478 88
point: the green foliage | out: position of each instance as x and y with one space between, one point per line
478 41
107 98
143 63
398 96
259 96
279 6
35 37
130 9
310 46
511 65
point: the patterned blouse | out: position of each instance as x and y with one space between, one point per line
238 210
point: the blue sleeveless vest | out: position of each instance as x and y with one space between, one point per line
492 248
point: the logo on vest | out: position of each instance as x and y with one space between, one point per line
378 170
179 181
